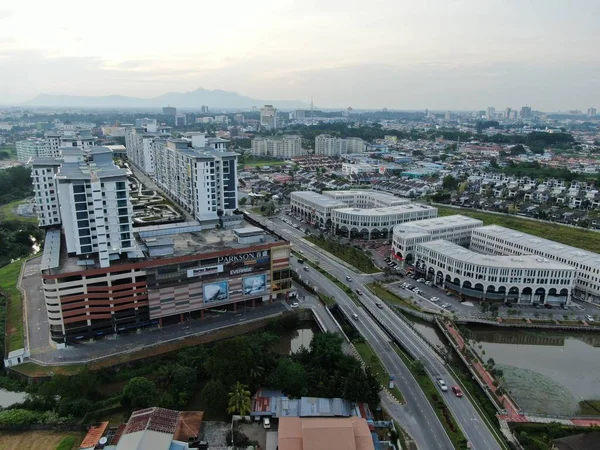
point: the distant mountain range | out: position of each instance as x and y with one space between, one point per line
193 99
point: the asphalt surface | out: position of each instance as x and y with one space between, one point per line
418 410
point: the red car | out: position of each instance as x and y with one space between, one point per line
457 391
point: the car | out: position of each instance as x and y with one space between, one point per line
446 305
355 316
442 384
300 261
359 292
348 279
434 299
305 268
565 307
266 423
547 306
420 280
428 283
417 291
589 318
457 391
295 305
379 305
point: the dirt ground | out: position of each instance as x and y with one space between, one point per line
255 432
38 440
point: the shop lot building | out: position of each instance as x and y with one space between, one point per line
524 279
454 228
358 214
175 272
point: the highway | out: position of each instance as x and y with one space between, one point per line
418 416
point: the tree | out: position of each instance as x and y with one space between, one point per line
139 393
214 394
449 183
230 360
484 306
239 400
494 310
290 377
268 208
243 201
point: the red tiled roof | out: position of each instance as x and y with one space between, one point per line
93 435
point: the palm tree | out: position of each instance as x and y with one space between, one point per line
239 400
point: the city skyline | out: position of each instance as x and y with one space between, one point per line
398 54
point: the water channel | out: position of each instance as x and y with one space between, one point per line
546 372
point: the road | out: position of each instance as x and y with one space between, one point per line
464 411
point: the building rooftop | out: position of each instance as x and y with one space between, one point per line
455 251
429 226
157 242
385 211
319 199
349 433
557 250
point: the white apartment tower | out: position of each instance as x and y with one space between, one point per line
268 117
328 145
200 175
89 196
139 148
284 147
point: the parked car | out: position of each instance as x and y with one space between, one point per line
266 423
306 268
420 280
428 283
442 384
294 305
589 318
435 299
457 391
547 306
565 307
348 279
446 305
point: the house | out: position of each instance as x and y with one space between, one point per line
347 433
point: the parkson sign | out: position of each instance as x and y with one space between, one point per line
261 256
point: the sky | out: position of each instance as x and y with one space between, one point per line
399 54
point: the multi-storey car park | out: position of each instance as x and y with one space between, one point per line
357 214
455 228
516 279
175 272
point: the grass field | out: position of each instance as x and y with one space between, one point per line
263 162
347 253
372 360
577 237
9 276
39 440
11 149
388 296
7 213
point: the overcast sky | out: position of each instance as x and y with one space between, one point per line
400 54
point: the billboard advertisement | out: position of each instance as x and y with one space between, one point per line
202 271
216 292
255 284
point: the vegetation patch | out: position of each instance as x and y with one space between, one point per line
534 436
577 237
8 213
589 408
372 360
353 256
38 439
11 306
389 296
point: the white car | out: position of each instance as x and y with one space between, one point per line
435 299
442 384
420 280
589 318
428 283
266 423
446 305
295 305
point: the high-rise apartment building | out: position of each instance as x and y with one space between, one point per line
447 116
204 109
85 192
146 122
328 145
525 112
591 112
139 148
268 117
31 148
278 147
180 120
490 113
507 113
169 111
199 175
